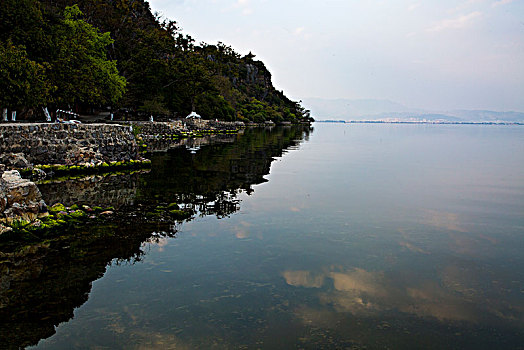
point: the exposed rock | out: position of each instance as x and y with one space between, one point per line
20 190
39 174
158 135
4 229
251 73
15 161
3 192
20 198
66 144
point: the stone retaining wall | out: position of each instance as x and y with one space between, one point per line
161 136
69 144
185 125
158 128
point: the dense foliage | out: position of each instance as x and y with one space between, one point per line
97 54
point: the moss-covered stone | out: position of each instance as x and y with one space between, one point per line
75 207
56 208
89 168
57 219
78 214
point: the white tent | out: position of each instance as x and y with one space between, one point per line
193 115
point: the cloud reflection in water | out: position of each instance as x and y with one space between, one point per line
369 293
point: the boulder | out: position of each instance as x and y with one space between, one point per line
38 174
19 190
3 191
20 199
4 229
15 161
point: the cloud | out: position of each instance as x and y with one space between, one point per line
165 3
358 280
501 2
303 279
412 7
242 230
299 30
412 248
443 220
362 292
244 5
464 5
455 23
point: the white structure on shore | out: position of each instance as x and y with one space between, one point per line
47 115
193 115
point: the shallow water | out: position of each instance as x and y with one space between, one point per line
349 236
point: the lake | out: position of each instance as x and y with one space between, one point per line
357 236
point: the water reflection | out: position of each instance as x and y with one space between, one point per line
41 284
362 292
191 144
210 180
443 220
459 293
343 248
115 190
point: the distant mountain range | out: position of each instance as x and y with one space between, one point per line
385 110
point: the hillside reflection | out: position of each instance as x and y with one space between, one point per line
42 283
210 179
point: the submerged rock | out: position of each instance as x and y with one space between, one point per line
39 174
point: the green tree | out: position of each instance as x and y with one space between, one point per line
213 106
192 79
81 71
23 82
22 22
162 70
154 107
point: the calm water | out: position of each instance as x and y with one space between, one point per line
347 236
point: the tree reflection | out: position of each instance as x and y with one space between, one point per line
41 284
210 180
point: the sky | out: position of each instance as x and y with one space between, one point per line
436 55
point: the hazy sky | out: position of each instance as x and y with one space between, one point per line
429 54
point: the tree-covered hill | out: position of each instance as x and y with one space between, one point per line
98 54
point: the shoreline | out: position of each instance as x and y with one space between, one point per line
83 149
417 122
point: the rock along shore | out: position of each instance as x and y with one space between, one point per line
59 147
69 144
